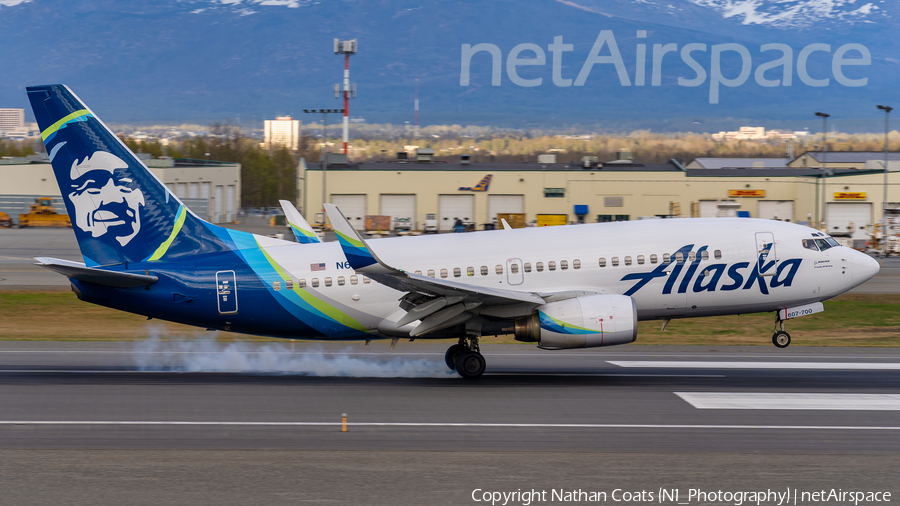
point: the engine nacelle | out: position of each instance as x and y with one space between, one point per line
581 322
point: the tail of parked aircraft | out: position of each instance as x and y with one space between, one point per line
121 212
303 233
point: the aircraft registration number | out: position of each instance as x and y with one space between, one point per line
794 312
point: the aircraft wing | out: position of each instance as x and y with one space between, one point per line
79 271
438 303
302 231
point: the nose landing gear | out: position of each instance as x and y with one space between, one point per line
465 358
780 338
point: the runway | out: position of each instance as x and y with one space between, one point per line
120 419
637 398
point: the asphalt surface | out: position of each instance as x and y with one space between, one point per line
18 247
251 424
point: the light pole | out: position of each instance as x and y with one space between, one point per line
824 178
324 163
887 111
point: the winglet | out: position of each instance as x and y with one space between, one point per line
302 231
358 253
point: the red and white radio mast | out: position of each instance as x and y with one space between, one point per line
346 48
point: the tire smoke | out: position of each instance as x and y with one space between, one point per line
204 354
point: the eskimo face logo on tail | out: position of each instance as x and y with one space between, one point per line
104 201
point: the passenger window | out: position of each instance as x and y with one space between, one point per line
718 254
615 261
327 281
499 269
692 256
576 264
679 257
301 283
527 267
289 285
514 268
704 255
539 266
470 271
443 273
354 279
640 259
484 270
653 258
551 265
563 265
627 260
602 262
822 244
667 258
430 273
276 285
366 280
419 273
340 280
315 282
456 272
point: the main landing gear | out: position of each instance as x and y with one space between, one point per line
781 338
465 358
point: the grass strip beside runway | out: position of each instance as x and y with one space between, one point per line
849 320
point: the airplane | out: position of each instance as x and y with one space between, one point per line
564 287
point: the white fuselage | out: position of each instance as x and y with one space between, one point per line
719 270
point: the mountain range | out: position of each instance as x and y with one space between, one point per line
211 60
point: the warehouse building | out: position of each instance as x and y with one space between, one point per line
211 189
476 193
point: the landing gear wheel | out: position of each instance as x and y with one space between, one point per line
470 364
452 353
781 339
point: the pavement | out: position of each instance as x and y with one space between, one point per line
202 423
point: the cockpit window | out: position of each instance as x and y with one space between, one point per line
823 244
832 241
810 244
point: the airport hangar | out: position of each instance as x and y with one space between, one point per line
211 189
476 192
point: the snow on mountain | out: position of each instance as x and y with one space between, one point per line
793 13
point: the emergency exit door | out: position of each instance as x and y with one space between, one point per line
765 250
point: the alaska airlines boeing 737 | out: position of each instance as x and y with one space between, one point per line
577 286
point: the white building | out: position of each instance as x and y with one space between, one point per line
753 134
12 120
283 131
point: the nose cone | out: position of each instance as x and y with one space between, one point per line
864 268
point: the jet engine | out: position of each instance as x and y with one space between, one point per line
581 322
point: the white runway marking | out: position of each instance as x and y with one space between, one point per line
671 364
452 425
804 401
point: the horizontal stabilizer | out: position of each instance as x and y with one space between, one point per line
77 270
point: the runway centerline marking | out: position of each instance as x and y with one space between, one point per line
672 364
792 401
451 425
